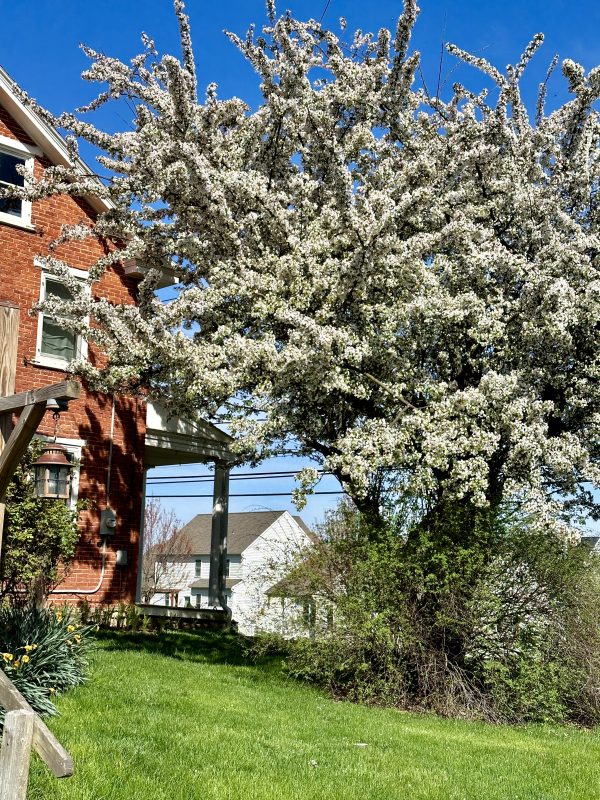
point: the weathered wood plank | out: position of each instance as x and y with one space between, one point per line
45 742
16 754
9 337
67 390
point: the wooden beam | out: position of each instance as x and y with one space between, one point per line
16 446
9 338
67 390
45 742
16 754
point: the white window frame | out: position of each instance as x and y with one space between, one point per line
81 345
28 153
74 448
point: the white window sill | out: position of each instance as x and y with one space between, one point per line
49 363
16 222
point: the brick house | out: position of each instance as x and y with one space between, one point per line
114 440
44 351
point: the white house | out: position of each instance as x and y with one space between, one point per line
261 548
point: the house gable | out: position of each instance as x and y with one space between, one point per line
28 127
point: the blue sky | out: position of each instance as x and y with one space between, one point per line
39 48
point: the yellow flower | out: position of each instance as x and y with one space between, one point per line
59 616
70 643
7 656
17 664
77 638
25 659
52 690
70 628
29 647
33 646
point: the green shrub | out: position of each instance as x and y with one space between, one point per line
39 539
494 620
44 652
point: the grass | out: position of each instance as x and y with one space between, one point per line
182 717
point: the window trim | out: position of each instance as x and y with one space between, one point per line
12 147
81 345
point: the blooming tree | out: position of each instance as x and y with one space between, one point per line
404 287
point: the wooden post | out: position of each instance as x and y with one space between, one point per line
218 541
45 742
140 566
9 337
16 754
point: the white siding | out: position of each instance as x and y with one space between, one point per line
264 563
258 568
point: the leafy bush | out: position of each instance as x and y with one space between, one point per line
503 625
40 536
43 651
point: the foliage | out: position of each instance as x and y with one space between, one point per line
504 626
162 538
39 537
156 702
402 286
43 651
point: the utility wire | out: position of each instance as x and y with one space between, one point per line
251 494
325 11
236 476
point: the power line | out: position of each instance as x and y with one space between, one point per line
325 10
174 481
236 476
251 494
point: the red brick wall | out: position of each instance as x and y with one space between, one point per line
88 418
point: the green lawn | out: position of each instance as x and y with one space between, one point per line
182 717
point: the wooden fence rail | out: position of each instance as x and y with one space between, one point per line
24 729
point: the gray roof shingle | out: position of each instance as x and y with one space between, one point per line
243 529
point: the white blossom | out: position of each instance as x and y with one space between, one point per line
398 284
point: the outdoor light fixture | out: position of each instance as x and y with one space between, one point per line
53 473
53 469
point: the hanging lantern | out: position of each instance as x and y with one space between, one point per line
53 473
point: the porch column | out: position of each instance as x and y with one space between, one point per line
218 542
140 570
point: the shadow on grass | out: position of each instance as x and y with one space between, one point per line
207 647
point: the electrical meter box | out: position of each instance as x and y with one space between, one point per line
108 522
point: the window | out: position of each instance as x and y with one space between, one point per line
10 177
198 571
13 156
226 568
57 346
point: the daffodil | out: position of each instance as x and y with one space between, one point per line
70 628
8 657
25 659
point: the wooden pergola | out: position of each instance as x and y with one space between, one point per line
23 728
